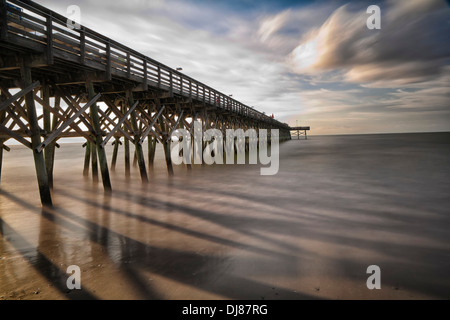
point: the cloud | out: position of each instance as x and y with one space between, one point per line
416 107
410 47
423 99
272 24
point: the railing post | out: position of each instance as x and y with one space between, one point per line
190 89
49 25
128 65
108 60
4 20
181 85
82 46
171 83
159 77
144 83
203 92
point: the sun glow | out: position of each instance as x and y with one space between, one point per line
306 54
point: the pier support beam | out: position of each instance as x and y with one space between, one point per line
98 139
39 161
167 145
87 158
94 163
126 144
135 159
137 146
184 126
116 144
1 158
151 151
152 140
49 151
166 139
2 118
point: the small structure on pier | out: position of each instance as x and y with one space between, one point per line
300 131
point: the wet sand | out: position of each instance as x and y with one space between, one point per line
337 205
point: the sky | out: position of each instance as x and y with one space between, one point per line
310 63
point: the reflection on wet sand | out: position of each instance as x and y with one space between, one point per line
225 232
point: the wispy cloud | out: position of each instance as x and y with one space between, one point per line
271 25
410 47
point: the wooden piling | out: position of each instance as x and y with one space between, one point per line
151 151
166 145
98 139
188 165
138 153
126 144
1 157
94 163
39 162
204 128
135 159
116 144
2 118
87 159
127 157
52 145
50 149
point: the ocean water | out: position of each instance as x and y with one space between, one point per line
338 205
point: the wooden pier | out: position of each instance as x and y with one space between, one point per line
79 83
300 131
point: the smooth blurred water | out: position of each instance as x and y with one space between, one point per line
337 205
